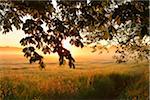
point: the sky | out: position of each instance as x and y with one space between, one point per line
13 38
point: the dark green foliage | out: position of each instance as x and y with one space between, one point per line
135 11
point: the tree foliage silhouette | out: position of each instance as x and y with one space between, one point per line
84 23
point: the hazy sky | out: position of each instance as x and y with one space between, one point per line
11 38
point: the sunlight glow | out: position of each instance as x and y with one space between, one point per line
66 44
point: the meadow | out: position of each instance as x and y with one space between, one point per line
93 79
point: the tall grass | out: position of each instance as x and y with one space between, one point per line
93 87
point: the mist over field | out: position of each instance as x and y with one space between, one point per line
12 55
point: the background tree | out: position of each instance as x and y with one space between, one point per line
120 22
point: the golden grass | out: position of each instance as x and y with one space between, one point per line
92 79
61 82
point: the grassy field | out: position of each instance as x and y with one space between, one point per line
95 79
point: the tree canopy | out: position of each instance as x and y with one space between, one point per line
121 22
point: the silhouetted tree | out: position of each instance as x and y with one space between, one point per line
84 23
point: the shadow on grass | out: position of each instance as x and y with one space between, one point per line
106 87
